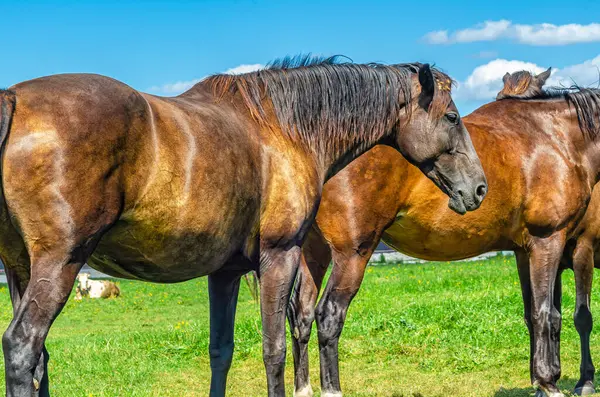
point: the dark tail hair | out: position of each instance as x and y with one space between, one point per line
8 101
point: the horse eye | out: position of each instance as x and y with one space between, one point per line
452 117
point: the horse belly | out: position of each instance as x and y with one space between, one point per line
441 235
160 251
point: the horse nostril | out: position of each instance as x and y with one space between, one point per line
481 191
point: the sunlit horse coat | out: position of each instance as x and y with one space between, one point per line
221 179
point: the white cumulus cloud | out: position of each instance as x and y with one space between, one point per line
583 74
484 83
180 86
489 30
245 69
543 34
174 88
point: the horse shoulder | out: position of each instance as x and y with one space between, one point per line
556 194
290 195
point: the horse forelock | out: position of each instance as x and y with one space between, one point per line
443 95
330 96
518 85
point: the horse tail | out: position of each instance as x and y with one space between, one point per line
8 101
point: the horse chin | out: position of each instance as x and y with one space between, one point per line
457 205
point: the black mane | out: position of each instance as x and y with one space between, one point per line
328 96
586 102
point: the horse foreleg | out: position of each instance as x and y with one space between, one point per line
223 289
544 260
342 286
583 267
51 282
523 268
278 269
301 310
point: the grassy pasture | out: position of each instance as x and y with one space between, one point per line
434 329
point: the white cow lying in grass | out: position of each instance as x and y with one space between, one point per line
95 288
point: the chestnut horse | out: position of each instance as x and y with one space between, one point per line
225 177
542 158
582 252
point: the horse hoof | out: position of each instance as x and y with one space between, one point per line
331 394
306 391
585 390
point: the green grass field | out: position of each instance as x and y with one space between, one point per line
437 329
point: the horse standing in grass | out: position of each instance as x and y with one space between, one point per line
541 156
224 178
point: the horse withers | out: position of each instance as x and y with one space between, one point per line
219 180
541 155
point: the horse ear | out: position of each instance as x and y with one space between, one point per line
542 77
506 77
427 82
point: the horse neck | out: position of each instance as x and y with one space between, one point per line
335 148
343 152
332 140
333 112
328 154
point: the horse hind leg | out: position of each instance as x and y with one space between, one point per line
583 267
54 265
17 283
41 381
25 357
63 242
301 310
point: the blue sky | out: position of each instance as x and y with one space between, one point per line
154 45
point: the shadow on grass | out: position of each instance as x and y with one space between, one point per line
568 384
565 384
515 392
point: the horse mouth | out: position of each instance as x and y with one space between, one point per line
457 204
456 201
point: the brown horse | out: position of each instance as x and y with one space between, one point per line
221 179
541 158
581 252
